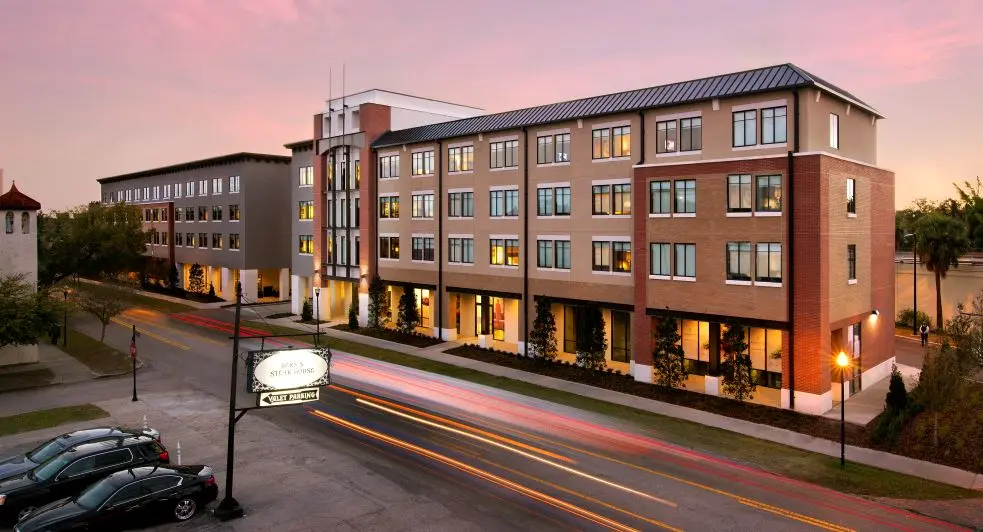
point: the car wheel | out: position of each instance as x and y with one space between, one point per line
24 512
185 509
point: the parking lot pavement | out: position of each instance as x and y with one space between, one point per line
284 480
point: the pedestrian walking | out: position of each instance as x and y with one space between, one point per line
923 330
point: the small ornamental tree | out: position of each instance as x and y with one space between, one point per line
376 293
105 303
408 317
667 357
736 367
542 337
196 279
591 342
353 315
211 290
307 310
897 395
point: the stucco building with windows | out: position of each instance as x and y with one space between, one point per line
18 255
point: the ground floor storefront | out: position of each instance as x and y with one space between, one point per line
258 285
330 301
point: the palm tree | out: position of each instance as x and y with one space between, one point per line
941 241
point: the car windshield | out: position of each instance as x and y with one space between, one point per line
95 494
46 451
49 469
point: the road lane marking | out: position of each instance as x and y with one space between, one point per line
520 452
487 434
155 336
495 479
153 323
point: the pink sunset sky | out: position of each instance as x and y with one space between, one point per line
93 88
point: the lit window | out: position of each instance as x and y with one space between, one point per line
851 196
422 206
423 163
834 131
305 244
307 176
306 210
685 196
389 207
769 193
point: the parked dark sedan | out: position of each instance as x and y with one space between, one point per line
135 497
18 465
68 472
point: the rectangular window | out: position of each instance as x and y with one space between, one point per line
202 187
544 202
234 213
179 215
216 213
851 196
460 250
191 188
622 141
191 241
685 196
203 240
167 191
570 322
157 192
234 241
562 195
307 176
745 128
179 239
305 210
217 185
769 263
146 193
665 136
233 184
305 244
178 189
422 206
423 163
504 252
773 125
659 259
685 261
738 261
460 204
217 241
620 336
622 199
659 197
189 214
769 193
851 262
129 195
691 134
511 153
562 257
544 149
739 193
388 247
834 131
389 207
504 203
601 199
600 144
422 248
202 214
389 167
601 261
504 154
561 148
621 258
544 254
460 159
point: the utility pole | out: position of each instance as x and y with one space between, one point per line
229 507
133 357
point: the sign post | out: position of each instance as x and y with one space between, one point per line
133 357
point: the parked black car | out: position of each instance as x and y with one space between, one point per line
70 471
131 498
18 465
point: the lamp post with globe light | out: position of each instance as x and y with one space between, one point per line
843 361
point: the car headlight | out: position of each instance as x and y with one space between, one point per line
2 499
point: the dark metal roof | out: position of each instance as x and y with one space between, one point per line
300 145
17 200
221 160
779 77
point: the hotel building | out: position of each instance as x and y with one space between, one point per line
327 210
227 214
751 198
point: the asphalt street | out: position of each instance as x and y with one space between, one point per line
506 461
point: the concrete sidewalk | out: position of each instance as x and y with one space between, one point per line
883 460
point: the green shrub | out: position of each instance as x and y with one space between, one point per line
906 316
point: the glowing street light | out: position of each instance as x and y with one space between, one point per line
843 361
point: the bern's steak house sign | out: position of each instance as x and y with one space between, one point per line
287 369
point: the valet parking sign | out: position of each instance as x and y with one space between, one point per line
287 376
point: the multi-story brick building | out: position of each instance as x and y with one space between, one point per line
328 219
227 214
751 198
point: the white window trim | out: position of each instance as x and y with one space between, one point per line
610 159
504 168
459 190
684 215
552 185
504 237
552 270
737 283
739 214
503 139
560 217
503 266
660 277
616 274
553 237
678 153
660 215
611 216
389 194
429 148
760 146
610 239
459 145
851 215
619 181
551 132
767 284
608 125
390 235
678 116
461 235
544 165
851 281
496 188
759 105
729 159
686 279
421 192
420 235
768 214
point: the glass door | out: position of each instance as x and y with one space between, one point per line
482 315
423 306
498 318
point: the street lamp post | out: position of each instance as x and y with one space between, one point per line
914 282
65 320
843 362
317 314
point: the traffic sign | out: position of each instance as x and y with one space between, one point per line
133 350
288 397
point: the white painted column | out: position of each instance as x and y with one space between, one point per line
248 278
296 295
322 303
284 285
363 309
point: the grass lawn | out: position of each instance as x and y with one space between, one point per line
98 356
140 300
53 417
780 459
25 379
